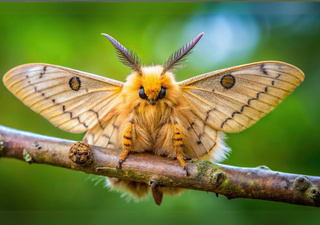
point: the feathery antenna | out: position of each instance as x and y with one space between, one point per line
128 58
176 59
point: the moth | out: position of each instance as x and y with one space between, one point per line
151 111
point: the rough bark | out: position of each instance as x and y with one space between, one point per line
233 182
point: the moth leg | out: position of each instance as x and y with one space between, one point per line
126 143
178 147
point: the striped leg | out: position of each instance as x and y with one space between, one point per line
126 143
178 146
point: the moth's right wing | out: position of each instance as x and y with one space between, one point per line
233 99
72 100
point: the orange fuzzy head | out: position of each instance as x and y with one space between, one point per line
151 88
151 85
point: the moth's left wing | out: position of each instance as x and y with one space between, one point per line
233 99
74 101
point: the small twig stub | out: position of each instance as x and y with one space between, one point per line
38 146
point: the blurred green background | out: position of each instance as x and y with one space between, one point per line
68 34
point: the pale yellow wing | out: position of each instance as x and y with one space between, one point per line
74 101
105 136
233 99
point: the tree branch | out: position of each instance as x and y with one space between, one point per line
233 182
